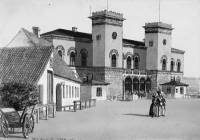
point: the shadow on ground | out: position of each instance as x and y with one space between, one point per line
139 115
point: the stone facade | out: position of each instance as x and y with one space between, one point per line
109 57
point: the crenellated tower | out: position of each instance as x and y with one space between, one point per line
107 34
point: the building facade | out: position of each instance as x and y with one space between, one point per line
129 66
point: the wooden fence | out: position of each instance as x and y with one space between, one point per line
79 105
43 112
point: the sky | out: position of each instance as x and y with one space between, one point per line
184 15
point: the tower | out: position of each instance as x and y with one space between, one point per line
159 42
107 34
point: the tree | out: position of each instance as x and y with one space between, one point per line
18 94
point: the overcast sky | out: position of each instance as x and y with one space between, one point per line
184 15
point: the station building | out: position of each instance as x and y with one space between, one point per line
129 66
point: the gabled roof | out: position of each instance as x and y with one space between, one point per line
28 39
61 69
174 50
23 64
175 83
64 32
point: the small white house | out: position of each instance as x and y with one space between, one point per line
30 59
66 84
174 89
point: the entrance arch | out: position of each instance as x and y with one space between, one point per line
135 84
58 97
128 87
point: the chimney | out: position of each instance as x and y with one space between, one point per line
36 30
74 29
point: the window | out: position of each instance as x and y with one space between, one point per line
63 91
164 64
60 53
142 84
168 89
78 92
178 66
99 92
148 84
83 58
172 66
136 63
151 43
67 91
128 62
70 92
49 86
176 90
181 90
164 41
114 35
113 61
72 58
98 37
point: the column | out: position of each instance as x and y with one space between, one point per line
123 96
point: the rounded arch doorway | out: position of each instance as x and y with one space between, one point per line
128 87
58 97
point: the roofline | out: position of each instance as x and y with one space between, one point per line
68 78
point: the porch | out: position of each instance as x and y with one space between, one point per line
136 83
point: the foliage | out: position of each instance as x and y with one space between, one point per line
18 95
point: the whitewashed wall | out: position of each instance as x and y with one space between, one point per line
66 99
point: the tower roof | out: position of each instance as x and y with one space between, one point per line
158 25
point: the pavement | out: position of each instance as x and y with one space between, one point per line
116 120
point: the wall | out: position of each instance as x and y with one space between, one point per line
67 100
111 43
43 82
177 94
152 52
115 78
104 92
66 44
86 91
178 56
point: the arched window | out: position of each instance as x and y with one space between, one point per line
61 51
178 66
142 84
72 58
148 84
164 64
113 61
83 59
135 84
113 55
136 63
128 62
172 65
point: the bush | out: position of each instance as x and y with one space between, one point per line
18 95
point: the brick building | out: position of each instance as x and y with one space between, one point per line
128 66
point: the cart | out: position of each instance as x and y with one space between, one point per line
10 118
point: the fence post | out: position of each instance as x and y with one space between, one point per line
38 114
54 111
74 106
46 112
95 102
80 105
89 103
